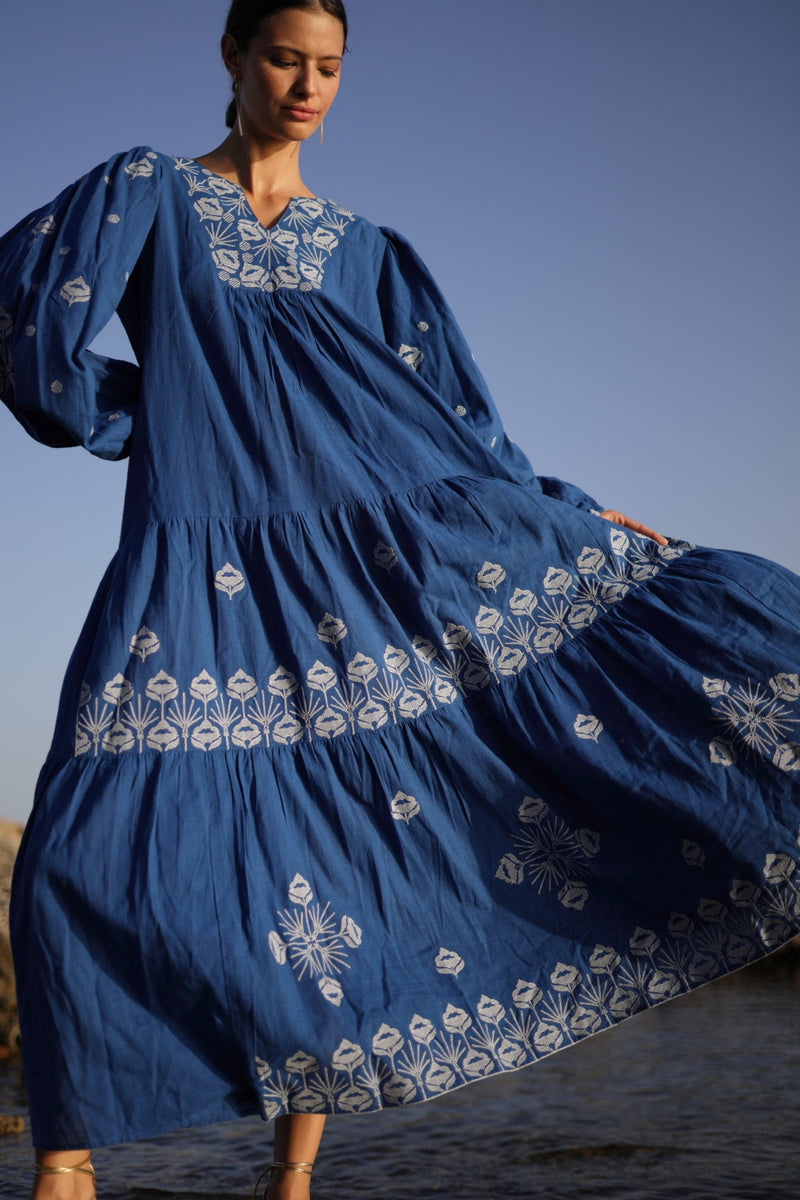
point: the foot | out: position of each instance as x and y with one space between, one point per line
285 1186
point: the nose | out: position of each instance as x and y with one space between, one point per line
305 82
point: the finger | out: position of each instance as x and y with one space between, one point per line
618 518
650 533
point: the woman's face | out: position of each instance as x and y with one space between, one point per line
289 73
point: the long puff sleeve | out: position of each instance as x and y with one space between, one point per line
63 271
419 324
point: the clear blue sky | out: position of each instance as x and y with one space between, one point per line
608 191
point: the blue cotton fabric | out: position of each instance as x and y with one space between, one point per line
382 764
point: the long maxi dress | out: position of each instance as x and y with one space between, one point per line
382 765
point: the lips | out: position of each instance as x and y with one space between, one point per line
299 114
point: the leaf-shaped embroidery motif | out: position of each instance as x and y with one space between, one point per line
384 556
331 630
404 807
229 580
76 291
144 643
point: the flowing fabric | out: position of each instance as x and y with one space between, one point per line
382 764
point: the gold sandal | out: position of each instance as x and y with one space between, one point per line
83 1168
303 1168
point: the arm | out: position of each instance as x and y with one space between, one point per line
420 326
63 271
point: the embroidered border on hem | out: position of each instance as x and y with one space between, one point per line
430 1058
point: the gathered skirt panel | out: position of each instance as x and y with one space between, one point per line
514 780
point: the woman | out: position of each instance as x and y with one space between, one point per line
382 764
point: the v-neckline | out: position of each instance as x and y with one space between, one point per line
293 200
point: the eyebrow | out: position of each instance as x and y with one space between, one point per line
322 57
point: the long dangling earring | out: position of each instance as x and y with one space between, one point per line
238 108
322 131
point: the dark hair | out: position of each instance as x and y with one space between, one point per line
245 16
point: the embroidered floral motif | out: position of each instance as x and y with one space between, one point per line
384 556
588 727
229 580
435 1054
693 854
292 254
314 940
144 642
549 854
491 575
757 719
331 629
76 291
411 355
447 962
143 168
43 228
404 807
406 683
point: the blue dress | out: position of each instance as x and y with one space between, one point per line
382 764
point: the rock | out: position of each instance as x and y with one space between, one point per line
10 836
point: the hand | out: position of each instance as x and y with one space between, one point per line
618 518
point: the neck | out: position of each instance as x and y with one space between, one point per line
267 170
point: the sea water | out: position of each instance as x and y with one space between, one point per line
696 1098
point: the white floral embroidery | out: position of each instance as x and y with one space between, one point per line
588 727
411 355
291 254
785 687
45 227
144 643
722 754
142 169
550 854
447 962
331 630
229 580
404 807
438 1053
400 683
490 576
314 941
761 720
76 291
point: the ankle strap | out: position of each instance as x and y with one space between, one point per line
82 1168
302 1168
